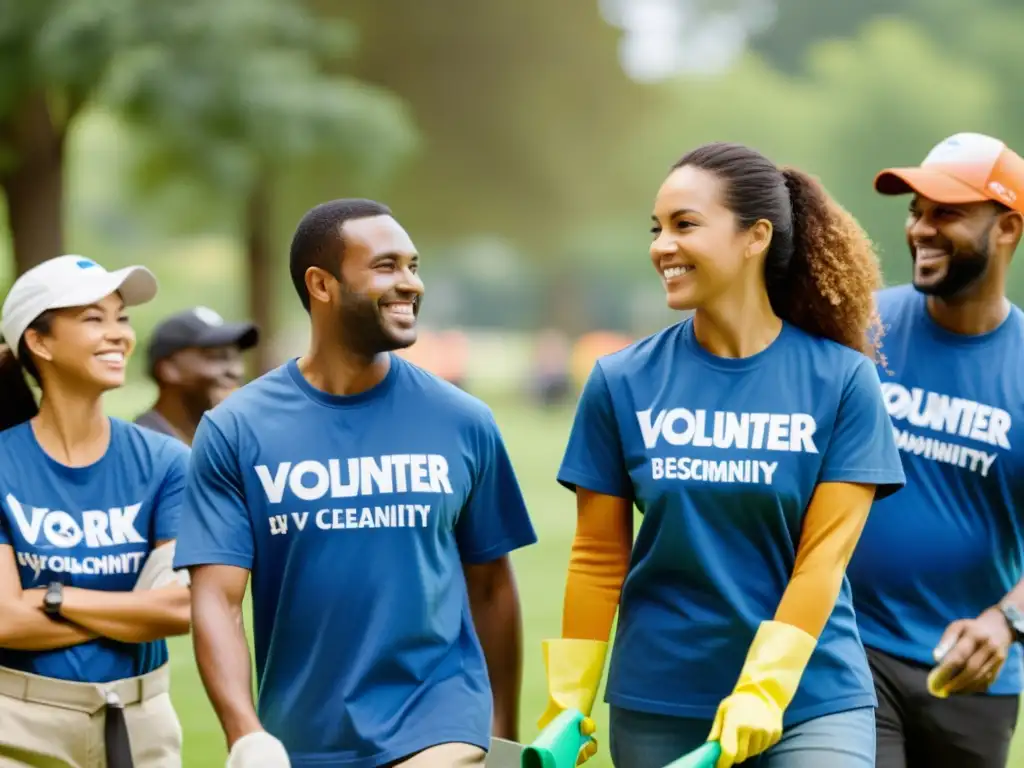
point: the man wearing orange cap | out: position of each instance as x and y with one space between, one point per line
936 575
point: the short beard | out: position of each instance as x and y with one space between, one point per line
362 327
966 267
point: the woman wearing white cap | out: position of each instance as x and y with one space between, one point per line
88 513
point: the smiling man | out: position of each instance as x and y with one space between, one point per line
936 574
195 358
375 506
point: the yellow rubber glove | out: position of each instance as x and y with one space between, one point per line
937 681
574 669
749 721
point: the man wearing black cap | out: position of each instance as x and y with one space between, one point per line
195 357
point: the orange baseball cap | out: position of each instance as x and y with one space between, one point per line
964 168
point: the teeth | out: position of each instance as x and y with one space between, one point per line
672 272
401 309
112 357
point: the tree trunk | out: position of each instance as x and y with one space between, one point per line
259 255
34 185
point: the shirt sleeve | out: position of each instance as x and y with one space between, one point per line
863 448
494 520
215 526
594 458
171 494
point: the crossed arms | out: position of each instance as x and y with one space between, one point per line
128 617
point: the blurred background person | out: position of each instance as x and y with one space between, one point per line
588 348
550 383
195 358
444 353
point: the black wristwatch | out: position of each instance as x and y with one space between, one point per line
1015 618
53 599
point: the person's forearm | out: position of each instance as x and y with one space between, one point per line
130 617
498 620
222 655
24 627
810 597
598 564
832 527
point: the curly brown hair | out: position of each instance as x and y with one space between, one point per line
821 271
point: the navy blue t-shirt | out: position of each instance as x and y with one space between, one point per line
355 515
91 527
951 544
722 457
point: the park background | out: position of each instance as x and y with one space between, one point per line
520 143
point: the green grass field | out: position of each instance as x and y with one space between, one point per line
535 440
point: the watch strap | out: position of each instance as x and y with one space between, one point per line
53 599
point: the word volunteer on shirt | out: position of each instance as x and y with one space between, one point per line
724 430
337 479
956 417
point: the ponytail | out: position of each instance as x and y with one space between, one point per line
833 272
17 402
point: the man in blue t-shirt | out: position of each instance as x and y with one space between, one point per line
935 577
375 506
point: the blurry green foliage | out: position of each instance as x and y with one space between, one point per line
229 92
490 123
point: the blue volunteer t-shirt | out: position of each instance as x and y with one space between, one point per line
91 527
951 544
722 456
354 515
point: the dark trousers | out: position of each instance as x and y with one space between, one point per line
916 730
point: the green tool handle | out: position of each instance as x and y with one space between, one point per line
558 744
704 756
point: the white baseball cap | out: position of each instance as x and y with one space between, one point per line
68 281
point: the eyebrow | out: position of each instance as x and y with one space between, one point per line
395 255
99 307
679 212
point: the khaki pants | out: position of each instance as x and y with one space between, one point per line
48 723
454 755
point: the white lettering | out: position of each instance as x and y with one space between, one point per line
321 480
273 486
387 516
127 562
122 525
954 416
61 530
94 524
711 471
312 480
790 432
961 456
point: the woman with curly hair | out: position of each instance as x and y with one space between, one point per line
753 439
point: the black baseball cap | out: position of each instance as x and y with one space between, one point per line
198 328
